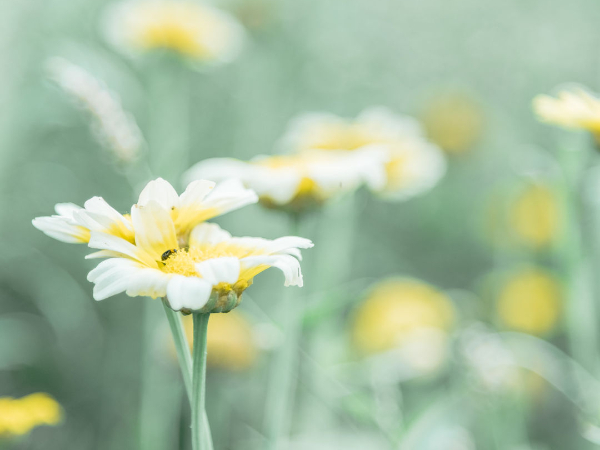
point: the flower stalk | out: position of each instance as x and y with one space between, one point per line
280 398
199 439
185 363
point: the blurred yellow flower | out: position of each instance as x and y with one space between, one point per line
20 416
413 165
190 28
299 181
454 122
572 108
230 341
534 215
397 308
530 300
528 215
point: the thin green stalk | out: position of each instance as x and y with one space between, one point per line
280 398
181 346
199 439
185 362
581 309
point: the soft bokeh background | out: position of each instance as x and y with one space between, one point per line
506 374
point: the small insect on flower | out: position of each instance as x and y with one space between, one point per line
18 416
192 29
301 181
168 253
201 201
412 164
574 107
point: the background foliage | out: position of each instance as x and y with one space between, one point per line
309 55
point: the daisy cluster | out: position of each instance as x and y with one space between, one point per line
323 155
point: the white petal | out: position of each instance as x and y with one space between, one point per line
219 270
188 292
230 195
160 191
104 241
66 209
62 229
208 233
112 276
148 283
98 209
154 229
195 193
104 254
286 263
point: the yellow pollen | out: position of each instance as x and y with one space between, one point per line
183 261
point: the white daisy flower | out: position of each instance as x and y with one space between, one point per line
574 107
201 201
190 28
413 166
298 181
207 275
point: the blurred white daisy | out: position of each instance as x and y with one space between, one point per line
201 201
300 181
413 166
573 107
193 29
114 128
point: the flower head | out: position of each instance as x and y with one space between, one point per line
190 28
529 215
572 108
208 274
453 121
412 166
535 215
20 416
201 201
395 309
299 181
530 301
167 250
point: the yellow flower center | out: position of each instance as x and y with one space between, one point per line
183 261
535 216
19 416
394 309
340 137
181 27
530 301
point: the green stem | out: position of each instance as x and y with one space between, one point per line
580 303
185 363
199 439
181 346
279 402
